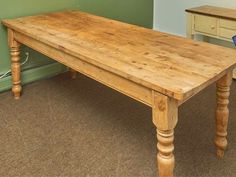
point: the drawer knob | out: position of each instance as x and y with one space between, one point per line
212 27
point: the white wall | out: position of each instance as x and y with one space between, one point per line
170 16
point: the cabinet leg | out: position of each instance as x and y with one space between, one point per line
16 70
222 113
189 29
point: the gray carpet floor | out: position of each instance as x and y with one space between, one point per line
80 128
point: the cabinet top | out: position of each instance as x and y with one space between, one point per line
214 11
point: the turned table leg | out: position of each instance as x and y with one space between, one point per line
165 115
15 68
222 113
15 65
165 157
73 73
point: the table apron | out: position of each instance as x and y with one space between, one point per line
125 86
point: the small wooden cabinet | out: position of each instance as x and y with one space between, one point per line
209 21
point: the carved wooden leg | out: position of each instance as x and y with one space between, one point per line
15 67
222 113
15 64
165 115
73 73
165 157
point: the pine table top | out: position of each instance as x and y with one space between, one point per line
172 65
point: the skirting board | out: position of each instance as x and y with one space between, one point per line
34 74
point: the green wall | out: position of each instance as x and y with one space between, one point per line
16 8
139 12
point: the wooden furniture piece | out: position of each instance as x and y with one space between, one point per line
210 21
157 69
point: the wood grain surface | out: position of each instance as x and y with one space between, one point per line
174 66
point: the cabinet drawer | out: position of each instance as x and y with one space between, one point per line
229 24
227 33
205 24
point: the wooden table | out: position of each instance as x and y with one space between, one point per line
157 69
210 21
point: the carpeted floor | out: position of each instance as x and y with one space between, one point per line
80 128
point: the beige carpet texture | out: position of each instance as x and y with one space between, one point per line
80 128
